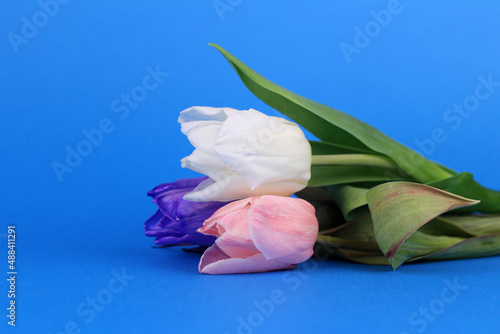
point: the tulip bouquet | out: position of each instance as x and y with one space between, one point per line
272 199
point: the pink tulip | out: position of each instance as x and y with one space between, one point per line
259 234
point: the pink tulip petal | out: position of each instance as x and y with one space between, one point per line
214 261
259 234
230 219
283 228
231 207
230 224
236 247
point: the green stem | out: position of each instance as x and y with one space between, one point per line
368 160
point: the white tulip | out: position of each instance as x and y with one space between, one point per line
245 153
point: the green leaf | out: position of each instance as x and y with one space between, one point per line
348 244
419 245
334 126
329 216
443 240
327 212
351 200
316 194
360 229
478 225
464 185
488 245
440 226
354 241
400 208
373 258
322 148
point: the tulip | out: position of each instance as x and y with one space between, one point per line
245 153
259 234
177 219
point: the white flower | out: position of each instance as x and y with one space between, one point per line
245 153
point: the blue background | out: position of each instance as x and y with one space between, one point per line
76 233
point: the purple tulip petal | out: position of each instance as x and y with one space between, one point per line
193 214
177 220
160 226
167 195
179 184
202 240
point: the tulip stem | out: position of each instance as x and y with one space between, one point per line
368 160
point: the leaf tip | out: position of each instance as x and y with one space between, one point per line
395 264
216 46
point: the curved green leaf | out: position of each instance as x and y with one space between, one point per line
464 185
488 245
440 226
419 245
334 126
478 225
351 200
369 246
400 208
373 258
354 241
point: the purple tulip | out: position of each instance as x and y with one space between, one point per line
177 219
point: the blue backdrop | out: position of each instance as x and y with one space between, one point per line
89 98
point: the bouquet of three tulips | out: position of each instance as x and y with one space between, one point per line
254 163
358 193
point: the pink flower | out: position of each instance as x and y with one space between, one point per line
259 234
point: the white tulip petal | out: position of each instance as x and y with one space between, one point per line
245 153
202 134
208 164
234 187
205 114
202 125
199 194
263 149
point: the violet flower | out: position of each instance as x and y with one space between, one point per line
177 219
